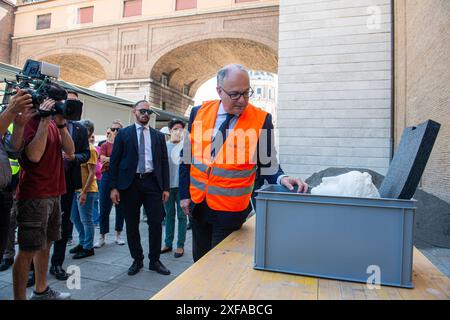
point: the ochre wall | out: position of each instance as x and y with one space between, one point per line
422 80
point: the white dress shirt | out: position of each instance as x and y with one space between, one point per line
221 117
148 147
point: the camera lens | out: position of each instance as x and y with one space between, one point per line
36 97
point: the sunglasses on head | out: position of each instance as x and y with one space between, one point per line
114 129
145 111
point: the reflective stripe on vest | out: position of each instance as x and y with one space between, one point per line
14 164
230 192
198 184
15 167
225 186
200 166
233 173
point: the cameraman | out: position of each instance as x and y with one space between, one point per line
19 111
41 185
72 172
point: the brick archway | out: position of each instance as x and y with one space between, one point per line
76 68
135 53
189 65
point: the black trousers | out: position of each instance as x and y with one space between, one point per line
6 201
143 191
59 247
210 227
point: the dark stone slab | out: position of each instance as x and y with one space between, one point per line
409 161
432 218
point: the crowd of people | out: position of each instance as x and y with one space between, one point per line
54 177
61 179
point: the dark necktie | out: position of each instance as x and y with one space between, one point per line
216 145
141 162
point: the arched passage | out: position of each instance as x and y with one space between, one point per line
77 69
185 68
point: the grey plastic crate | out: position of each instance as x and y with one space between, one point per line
334 237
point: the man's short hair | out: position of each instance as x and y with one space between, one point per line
174 122
89 125
139 102
118 122
222 74
72 92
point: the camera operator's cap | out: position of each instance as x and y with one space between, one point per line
165 130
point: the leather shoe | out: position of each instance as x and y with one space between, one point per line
76 249
59 273
159 267
135 267
84 253
178 254
166 249
6 263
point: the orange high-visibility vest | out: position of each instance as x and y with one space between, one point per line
227 181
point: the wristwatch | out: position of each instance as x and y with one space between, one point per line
61 126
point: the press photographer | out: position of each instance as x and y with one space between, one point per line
19 111
42 181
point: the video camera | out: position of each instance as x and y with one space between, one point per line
39 80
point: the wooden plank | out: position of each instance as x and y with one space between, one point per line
272 285
226 272
213 276
329 290
384 293
429 282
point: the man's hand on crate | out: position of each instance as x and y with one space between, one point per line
289 183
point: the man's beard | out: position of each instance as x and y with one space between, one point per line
144 120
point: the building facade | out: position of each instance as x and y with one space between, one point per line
147 49
265 87
335 85
422 81
7 29
352 74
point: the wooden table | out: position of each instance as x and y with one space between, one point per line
226 272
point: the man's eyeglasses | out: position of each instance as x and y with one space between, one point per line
145 111
237 95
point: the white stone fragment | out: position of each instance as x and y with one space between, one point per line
351 184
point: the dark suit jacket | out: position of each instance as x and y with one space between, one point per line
125 157
271 153
82 154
